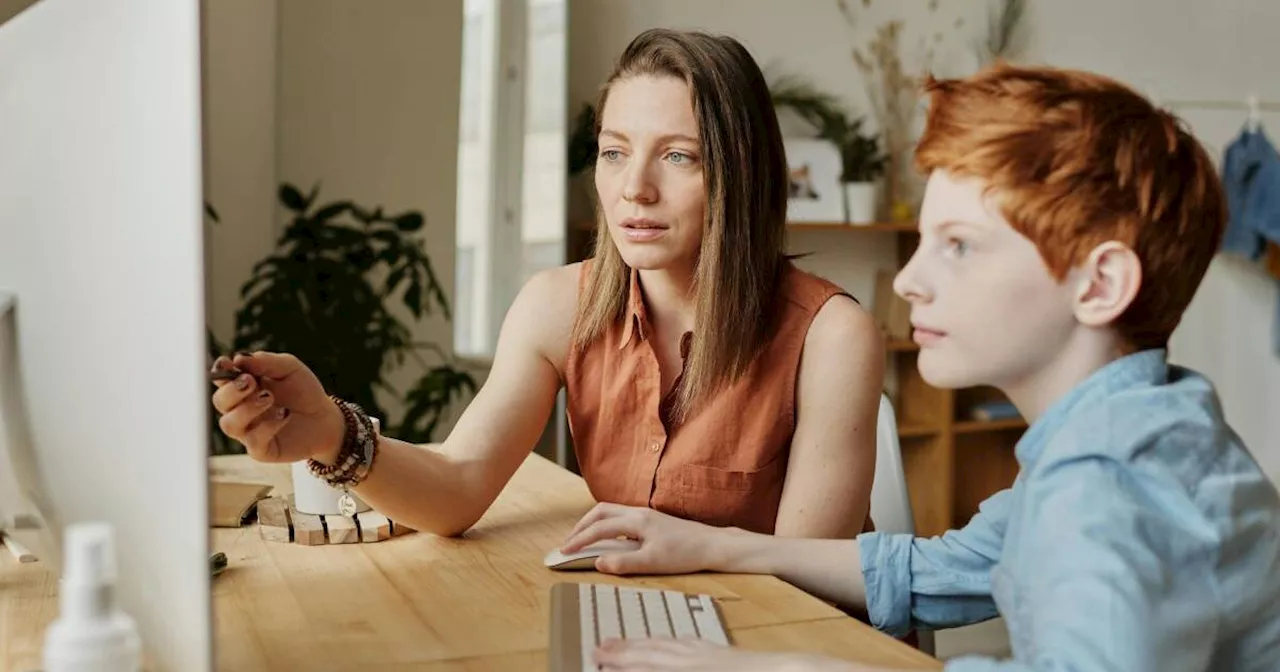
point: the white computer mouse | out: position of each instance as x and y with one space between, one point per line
585 558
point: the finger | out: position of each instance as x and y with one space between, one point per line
231 394
608 528
223 371
639 561
235 422
642 654
597 513
259 440
268 364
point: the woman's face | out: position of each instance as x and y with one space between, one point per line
649 173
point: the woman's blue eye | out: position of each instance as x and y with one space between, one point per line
958 247
679 158
610 154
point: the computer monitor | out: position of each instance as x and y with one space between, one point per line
105 406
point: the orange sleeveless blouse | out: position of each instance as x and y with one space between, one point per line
726 463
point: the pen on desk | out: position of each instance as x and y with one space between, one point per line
20 553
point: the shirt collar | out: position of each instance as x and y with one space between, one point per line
1144 368
637 320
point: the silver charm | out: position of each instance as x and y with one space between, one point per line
347 504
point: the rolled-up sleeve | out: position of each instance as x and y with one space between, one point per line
937 582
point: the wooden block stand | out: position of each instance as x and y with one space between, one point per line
280 521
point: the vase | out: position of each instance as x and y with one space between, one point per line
860 202
311 494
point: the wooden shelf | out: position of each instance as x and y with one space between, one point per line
909 431
873 227
975 426
900 345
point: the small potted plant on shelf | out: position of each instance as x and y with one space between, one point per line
862 162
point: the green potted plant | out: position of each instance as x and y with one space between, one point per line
862 162
334 292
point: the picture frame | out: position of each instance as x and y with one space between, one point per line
814 194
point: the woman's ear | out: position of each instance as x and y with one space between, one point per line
1108 282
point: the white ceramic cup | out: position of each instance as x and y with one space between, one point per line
312 495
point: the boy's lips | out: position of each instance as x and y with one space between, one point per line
925 335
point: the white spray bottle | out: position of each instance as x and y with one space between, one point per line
91 633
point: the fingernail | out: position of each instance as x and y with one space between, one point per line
282 413
264 397
242 354
242 383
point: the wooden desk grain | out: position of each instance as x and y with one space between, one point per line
422 602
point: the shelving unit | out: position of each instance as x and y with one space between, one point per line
952 462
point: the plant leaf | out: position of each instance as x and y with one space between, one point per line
332 210
409 222
292 198
413 297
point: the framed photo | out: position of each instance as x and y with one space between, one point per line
813 168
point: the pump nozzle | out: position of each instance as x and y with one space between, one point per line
91 632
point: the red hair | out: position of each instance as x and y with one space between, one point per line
1078 159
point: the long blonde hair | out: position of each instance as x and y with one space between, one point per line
745 176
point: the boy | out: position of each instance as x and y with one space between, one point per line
1065 227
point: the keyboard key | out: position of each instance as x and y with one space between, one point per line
607 614
655 610
705 616
587 622
633 625
681 619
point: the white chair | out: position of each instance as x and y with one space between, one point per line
890 501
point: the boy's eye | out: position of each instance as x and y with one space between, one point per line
610 155
957 247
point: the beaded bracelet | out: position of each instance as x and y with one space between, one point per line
355 459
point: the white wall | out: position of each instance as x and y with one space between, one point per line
368 105
1178 48
240 158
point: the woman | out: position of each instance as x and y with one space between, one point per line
705 375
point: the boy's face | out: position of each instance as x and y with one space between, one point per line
984 307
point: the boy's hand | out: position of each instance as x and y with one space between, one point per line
683 654
668 545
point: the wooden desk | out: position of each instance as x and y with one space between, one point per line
422 602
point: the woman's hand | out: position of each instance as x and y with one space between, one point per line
668 545
277 409
684 654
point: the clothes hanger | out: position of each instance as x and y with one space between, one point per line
1254 121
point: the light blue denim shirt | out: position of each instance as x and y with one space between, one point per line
1139 535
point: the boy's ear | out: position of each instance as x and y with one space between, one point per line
1108 281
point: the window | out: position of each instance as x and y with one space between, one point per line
511 160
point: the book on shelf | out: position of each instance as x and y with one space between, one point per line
994 410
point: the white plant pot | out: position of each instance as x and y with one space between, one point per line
860 202
312 495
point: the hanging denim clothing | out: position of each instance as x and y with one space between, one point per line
1251 179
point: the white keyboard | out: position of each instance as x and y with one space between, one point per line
583 615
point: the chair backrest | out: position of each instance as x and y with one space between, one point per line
890 503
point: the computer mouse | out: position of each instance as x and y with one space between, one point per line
585 558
